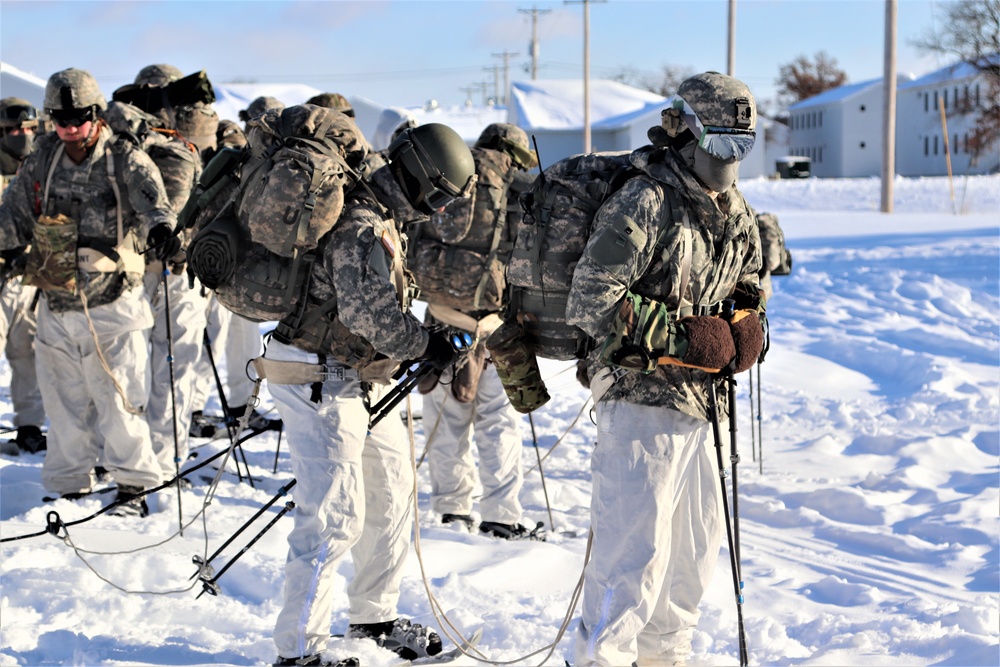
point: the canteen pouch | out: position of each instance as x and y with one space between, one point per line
51 263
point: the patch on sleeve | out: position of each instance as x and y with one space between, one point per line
618 243
380 260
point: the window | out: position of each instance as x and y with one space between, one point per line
862 144
944 96
927 143
954 145
935 145
862 107
966 96
820 158
926 101
966 137
935 100
821 119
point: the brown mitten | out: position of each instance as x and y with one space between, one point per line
748 337
709 344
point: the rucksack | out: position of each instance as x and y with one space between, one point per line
259 212
458 256
777 259
557 214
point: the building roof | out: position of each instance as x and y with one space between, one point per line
836 94
547 104
953 72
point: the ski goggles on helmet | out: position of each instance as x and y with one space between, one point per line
18 114
437 191
72 117
725 143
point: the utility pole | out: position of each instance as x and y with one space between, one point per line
731 46
496 82
586 70
533 47
468 90
506 55
889 104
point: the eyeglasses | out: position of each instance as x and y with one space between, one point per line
18 113
71 117
725 143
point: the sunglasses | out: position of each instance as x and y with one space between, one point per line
18 113
71 117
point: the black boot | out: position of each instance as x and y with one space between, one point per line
512 531
31 439
130 502
406 639
316 660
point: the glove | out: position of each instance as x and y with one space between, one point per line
162 242
748 339
439 351
709 347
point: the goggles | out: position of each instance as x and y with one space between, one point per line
17 114
725 143
71 117
437 190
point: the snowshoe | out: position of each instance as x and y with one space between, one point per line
316 660
203 426
465 519
512 531
129 502
406 639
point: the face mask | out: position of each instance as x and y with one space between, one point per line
19 145
715 174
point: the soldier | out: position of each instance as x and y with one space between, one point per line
259 106
471 401
354 485
174 353
656 502
88 204
18 303
334 101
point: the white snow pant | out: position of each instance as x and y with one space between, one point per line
353 492
235 341
86 412
449 426
657 521
188 317
17 340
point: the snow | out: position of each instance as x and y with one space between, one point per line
868 505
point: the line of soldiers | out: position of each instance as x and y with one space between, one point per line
92 192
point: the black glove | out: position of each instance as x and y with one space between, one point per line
439 351
162 242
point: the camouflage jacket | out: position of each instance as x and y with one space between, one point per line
724 251
86 194
8 168
353 282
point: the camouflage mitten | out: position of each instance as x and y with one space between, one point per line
748 337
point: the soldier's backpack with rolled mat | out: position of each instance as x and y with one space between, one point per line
259 212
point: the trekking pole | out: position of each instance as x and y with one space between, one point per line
225 404
737 583
734 459
753 438
534 440
278 449
173 396
760 433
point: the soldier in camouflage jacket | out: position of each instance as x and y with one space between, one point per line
656 503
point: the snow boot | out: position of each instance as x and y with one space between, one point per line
202 426
406 639
31 439
464 519
131 502
316 660
512 531
256 422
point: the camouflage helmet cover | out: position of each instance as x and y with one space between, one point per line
509 139
334 101
259 106
27 115
720 100
230 134
158 75
73 89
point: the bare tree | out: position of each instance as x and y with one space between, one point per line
803 78
970 31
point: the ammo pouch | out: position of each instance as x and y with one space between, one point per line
51 263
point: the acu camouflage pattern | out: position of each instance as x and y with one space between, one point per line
73 89
157 75
334 101
355 312
293 183
517 366
713 96
557 216
777 258
458 256
724 252
84 193
259 106
511 140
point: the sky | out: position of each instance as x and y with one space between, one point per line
868 485
405 53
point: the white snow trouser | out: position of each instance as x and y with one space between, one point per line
187 330
657 521
86 412
353 492
235 341
17 340
450 426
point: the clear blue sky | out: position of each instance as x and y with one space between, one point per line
407 52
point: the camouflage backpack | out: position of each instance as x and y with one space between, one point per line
458 256
260 211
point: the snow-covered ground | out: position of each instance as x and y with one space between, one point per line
868 504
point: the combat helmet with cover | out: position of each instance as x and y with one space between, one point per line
259 106
15 113
73 90
334 101
158 75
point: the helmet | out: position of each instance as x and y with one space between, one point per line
259 106
15 112
334 101
158 75
230 135
433 165
509 139
73 89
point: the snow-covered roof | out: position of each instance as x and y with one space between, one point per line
836 94
18 83
953 72
548 104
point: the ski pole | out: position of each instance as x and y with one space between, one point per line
753 438
225 405
760 433
737 584
734 459
173 396
534 441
